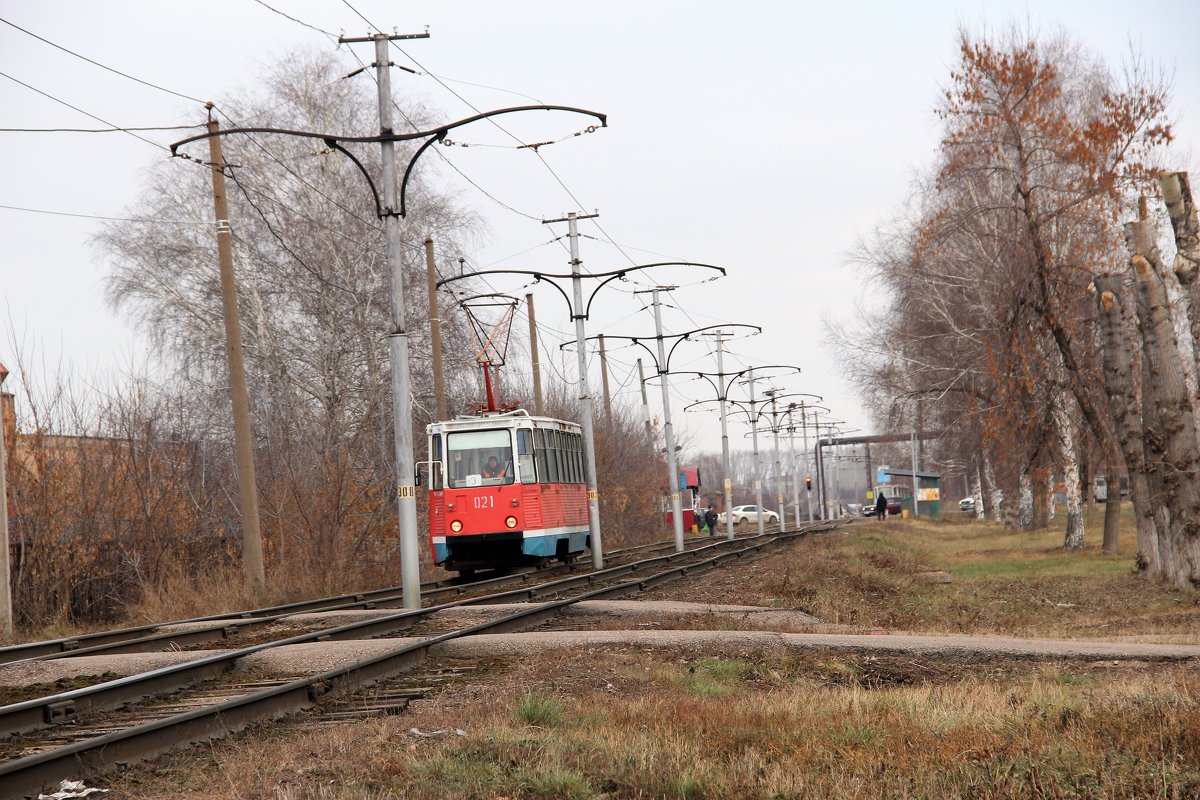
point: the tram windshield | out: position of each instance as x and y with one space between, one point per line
479 458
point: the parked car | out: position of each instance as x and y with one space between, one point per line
966 504
742 514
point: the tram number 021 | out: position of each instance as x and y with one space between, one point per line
486 501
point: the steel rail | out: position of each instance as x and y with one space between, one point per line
29 774
159 640
67 706
103 641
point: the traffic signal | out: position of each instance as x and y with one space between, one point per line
808 482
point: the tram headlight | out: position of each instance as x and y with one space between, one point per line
511 522
456 526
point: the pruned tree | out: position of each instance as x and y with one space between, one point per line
991 320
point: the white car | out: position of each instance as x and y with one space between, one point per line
742 514
966 504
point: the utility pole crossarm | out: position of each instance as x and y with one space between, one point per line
388 136
605 278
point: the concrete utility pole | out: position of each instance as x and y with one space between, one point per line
914 472
807 471
6 612
585 395
725 456
773 393
795 470
604 381
435 329
645 403
668 432
757 466
406 490
533 357
252 555
819 466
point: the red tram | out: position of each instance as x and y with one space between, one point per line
506 489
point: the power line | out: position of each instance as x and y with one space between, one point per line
472 106
97 216
297 21
483 86
291 172
102 66
81 111
271 228
446 158
101 130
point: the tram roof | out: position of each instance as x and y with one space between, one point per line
508 419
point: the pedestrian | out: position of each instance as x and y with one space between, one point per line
881 505
710 519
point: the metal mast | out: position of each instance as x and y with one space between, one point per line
725 457
668 432
585 395
406 490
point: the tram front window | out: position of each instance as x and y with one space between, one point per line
479 458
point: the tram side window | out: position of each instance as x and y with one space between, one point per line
552 457
579 471
435 462
568 446
539 454
577 452
525 456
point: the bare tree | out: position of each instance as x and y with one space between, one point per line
991 319
312 282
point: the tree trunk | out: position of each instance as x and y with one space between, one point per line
1177 194
1075 537
1051 511
1171 439
1025 516
995 495
1112 514
977 490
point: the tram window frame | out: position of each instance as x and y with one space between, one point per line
569 449
471 449
539 455
580 472
554 457
525 455
435 463
579 458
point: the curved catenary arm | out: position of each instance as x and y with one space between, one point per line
433 136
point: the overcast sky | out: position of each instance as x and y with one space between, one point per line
764 137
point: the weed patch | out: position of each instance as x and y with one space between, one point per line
534 709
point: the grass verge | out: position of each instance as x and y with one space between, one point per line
635 723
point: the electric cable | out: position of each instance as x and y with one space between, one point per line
297 21
103 66
98 216
102 130
232 173
85 113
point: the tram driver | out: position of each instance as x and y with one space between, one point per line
493 469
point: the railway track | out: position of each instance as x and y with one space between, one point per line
192 632
86 731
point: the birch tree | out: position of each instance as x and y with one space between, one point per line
312 280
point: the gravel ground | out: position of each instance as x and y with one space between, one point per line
518 643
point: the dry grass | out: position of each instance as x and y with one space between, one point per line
645 723
636 723
890 575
